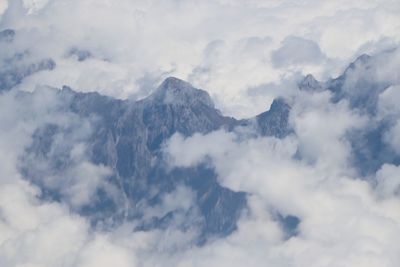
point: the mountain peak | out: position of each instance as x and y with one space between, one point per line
274 122
363 58
361 61
174 91
173 82
279 105
309 83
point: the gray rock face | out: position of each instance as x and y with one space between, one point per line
128 137
176 92
309 83
275 121
359 83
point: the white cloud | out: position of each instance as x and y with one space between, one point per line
102 253
388 101
388 109
388 178
3 6
34 232
296 50
321 127
341 220
391 136
191 151
344 221
223 46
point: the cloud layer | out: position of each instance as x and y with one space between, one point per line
245 53
226 47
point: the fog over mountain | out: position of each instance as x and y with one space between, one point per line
199 133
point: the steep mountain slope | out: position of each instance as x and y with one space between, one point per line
127 137
362 85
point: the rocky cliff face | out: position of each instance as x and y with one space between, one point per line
127 137
361 85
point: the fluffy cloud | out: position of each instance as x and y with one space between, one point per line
388 180
33 230
325 146
245 53
389 110
295 50
189 152
391 136
224 46
344 220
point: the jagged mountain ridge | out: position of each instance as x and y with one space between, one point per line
128 138
361 86
128 135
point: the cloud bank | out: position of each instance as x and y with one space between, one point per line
226 47
245 54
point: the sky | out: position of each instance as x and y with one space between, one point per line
244 54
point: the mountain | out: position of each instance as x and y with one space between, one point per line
309 83
128 137
360 85
275 121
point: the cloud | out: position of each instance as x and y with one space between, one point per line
296 50
223 46
33 231
391 136
101 252
245 53
388 181
266 169
36 231
314 186
192 151
308 175
325 145
387 101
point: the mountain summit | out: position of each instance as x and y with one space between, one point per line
128 139
178 92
